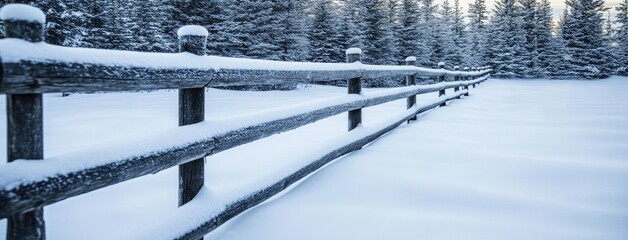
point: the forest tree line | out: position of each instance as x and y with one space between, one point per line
518 38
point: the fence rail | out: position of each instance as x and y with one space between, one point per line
41 68
30 67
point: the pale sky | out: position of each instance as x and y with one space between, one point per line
558 5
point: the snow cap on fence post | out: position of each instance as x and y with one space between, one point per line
193 39
441 65
411 61
23 21
354 55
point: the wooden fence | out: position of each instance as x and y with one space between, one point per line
29 68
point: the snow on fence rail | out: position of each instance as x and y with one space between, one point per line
30 67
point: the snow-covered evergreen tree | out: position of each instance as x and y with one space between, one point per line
621 37
154 14
98 25
117 29
583 35
352 25
378 37
546 44
409 44
529 11
392 16
54 21
324 42
447 34
245 36
476 50
459 35
289 21
560 68
610 44
557 67
506 41
427 33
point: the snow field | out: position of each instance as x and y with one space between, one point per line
516 160
415 184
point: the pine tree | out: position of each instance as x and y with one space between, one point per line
507 40
409 35
98 25
247 30
621 37
54 20
478 15
352 25
583 35
427 32
153 15
288 20
324 44
115 37
260 29
545 49
476 51
377 35
459 36
392 16
558 58
129 26
530 24
561 68
447 33
609 42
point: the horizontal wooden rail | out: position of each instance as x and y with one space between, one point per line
213 219
30 67
41 183
41 68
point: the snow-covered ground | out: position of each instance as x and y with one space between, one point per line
515 160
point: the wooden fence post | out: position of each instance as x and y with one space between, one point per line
25 137
441 79
456 78
354 86
192 39
411 81
466 69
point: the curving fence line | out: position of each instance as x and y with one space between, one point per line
30 67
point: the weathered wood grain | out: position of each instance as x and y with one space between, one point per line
31 31
411 81
191 110
32 76
354 86
25 140
25 135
